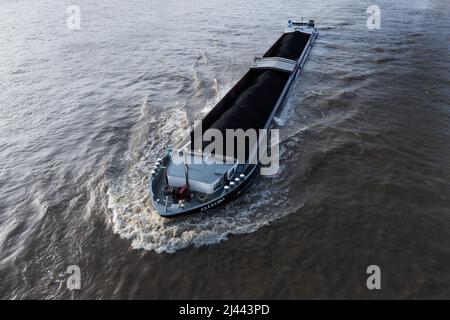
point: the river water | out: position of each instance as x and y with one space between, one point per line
365 154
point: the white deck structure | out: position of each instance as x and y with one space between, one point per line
204 174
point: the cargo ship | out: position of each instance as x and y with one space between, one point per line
185 180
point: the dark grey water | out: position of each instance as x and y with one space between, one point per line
365 167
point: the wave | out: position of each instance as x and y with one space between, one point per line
133 218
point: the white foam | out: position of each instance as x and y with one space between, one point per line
220 93
133 219
143 108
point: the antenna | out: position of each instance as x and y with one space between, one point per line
186 169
